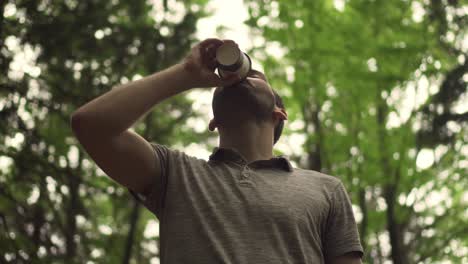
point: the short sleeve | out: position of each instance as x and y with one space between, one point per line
341 235
154 199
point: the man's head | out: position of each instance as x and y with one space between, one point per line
250 100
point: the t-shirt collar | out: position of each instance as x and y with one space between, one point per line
228 154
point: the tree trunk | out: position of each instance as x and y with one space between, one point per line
71 218
314 158
365 217
2 9
131 232
3 59
398 252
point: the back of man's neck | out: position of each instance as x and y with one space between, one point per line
249 152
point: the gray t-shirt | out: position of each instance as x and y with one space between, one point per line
227 211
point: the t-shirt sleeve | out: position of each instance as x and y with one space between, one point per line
341 235
154 199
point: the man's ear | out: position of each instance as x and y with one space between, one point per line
280 113
212 126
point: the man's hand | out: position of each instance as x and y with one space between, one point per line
201 64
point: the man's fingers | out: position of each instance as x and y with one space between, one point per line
209 54
211 41
208 49
213 79
211 51
212 63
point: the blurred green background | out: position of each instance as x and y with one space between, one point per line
376 92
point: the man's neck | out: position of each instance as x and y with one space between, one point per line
253 143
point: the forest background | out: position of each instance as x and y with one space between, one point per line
375 92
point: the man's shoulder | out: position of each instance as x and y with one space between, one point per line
317 177
174 151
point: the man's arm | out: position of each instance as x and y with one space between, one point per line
102 125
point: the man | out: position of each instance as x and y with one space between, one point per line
242 205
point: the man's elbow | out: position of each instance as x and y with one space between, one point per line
79 124
76 122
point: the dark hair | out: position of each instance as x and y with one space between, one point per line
279 127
